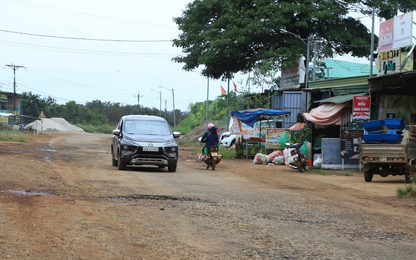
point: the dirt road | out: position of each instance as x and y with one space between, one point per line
60 198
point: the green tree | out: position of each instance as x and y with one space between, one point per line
33 105
230 36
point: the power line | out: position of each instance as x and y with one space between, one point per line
89 51
79 38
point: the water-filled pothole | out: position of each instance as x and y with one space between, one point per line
158 197
33 193
47 149
11 151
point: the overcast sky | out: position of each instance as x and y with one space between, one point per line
85 70
82 70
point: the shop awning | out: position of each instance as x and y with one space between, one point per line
326 114
297 126
340 99
250 117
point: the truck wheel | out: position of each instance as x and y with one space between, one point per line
407 178
368 176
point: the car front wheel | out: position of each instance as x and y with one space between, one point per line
172 168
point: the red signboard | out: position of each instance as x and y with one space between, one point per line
361 107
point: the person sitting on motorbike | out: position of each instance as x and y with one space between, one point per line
212 138
204 137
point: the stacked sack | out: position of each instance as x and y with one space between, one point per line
275 157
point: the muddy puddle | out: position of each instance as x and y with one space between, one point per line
47 149
11 151
32 193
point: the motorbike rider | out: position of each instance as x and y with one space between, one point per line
204 137
212 138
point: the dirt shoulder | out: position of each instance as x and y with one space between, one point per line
60 198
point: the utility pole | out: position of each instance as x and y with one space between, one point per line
138 99
166 109
372 46
14 68
314 61
228 104
174 114
206 115
160 110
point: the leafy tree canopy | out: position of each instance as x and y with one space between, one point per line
230 36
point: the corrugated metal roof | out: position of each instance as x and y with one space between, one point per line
341 82
340 99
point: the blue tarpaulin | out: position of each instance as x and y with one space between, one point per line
249 117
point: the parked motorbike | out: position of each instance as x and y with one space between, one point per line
213 157
299 159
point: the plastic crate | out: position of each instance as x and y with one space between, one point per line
376 138
392 139
375 125
394 123
375 133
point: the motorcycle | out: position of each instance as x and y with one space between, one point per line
299 159
212 157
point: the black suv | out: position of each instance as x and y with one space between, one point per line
144 140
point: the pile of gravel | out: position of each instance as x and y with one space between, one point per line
53 125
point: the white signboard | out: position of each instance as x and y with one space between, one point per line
293 76
396 33
403 30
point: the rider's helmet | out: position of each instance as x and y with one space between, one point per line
210 125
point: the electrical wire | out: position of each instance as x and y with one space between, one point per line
82 39
90 51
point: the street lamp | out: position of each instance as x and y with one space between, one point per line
160 110
307 54
174 116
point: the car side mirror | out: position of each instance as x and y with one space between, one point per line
176 134
116 132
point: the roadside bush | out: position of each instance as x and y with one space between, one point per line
406 192
101 129
227 153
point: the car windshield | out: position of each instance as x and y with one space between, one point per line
142 127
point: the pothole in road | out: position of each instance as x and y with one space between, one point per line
47 149
157 197
11 151
387 236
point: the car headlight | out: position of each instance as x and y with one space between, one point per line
171 151
128 150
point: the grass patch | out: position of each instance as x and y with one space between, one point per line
326 172
101 129
227 153
183 143
407 192
15 136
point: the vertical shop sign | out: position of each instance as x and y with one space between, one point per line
350 143
361 107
